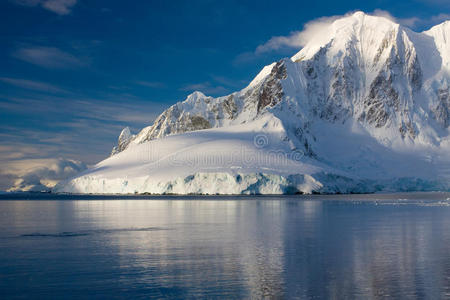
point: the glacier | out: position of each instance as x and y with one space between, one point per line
364 107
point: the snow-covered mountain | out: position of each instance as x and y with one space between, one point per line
363 107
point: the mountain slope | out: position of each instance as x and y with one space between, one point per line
367 105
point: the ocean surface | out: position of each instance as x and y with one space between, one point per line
286 247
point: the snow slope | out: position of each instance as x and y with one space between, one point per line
362 108
249 158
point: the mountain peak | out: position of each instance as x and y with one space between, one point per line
361 16
443 27
359 21
124 139
195 95
358 27
441 36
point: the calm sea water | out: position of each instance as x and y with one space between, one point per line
363 246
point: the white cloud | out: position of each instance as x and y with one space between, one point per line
383 13
60 7
41 174
408 22
33 85
275 43
298 39
48 57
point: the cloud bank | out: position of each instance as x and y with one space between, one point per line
41 174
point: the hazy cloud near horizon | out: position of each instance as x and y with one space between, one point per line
39 174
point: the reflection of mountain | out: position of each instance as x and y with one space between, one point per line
279 248
286 247
363 107
211 248
362 251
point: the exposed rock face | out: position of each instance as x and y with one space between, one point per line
230 107
369 70
272 91
124 139
442 110
381 99
173 121
199 112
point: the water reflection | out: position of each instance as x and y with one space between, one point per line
244 248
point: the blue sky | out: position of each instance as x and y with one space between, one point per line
73 73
